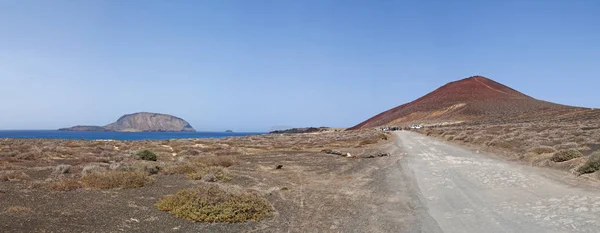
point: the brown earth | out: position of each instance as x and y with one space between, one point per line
470 99
311 191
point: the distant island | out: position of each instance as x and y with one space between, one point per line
301 130
228 131
140 122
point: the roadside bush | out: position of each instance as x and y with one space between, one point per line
212 204
116 179
543 150
383 136
592 165
147 155
565 155
64 185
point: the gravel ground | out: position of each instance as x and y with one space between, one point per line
466 191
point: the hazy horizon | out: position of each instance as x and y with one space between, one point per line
249 66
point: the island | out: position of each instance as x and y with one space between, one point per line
140 122
300 130
228 131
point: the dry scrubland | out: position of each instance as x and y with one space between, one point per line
204 180
568 142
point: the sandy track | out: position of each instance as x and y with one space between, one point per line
465 191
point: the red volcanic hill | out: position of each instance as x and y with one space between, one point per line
474 98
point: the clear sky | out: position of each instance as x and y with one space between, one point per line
251 65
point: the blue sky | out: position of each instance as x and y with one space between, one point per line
252 65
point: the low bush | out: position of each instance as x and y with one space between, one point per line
116 179
199 171
220 161
592 165
367 142
64 185
147 155
568 145
212 204
13 176
179 169
500 144
383 136
209 174
543 150
61 169
565 155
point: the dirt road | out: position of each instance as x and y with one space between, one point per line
465 191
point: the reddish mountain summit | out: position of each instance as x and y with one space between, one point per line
474 98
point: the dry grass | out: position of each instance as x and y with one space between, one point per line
18 210
13 176
179 169
213 204
220 161
116 179
64 185
367 142
210 174
543 150
198 170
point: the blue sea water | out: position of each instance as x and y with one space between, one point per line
85 135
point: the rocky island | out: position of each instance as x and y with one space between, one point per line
300 130
141 122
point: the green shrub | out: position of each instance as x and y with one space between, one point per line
592 165
147 155
212 204
565 155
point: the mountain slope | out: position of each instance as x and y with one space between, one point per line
473 98
141 122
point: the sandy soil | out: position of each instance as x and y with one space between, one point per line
313 192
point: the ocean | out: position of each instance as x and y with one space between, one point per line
88 135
